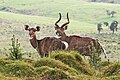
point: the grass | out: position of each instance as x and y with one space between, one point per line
82 17
73 59
84 11
27 19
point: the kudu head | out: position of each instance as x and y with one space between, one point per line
60 29
32 30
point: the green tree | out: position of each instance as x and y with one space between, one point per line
15 50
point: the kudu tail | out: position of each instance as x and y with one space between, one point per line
101 49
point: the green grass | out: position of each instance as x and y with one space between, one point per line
83 15
26 19
78 9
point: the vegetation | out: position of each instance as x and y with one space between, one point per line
16 68
65 65
94 60
55 64
56 74
112 69
15 51
73 59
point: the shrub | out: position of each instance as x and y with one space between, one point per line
54 64
20 69
16 68
104 63
87 77
41 70
14 50
73 59
3 62
8 78
56 74
29 61
111 70
52 73
115 77
94 60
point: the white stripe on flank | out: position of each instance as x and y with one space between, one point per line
66 44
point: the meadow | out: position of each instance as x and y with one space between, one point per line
84 16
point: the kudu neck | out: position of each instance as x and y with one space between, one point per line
63 37
34 42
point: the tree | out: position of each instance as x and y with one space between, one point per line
99 27
15 50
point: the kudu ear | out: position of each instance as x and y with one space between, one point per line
26 27
37 28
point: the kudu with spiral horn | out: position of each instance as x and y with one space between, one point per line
84 45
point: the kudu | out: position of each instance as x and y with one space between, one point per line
46 45
84 45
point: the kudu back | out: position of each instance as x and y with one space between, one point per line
46 45
84 45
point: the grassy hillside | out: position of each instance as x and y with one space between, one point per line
84 16
78 9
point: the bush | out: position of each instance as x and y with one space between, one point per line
41 70
112 70
8 78
29 61
54 64
94 60
56 74
20 69
87 77
73 59
14 50
104 63
115 77
52 73
3 62
16 68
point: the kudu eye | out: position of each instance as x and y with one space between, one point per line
56 28
57 33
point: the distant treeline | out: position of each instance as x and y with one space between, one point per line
107 1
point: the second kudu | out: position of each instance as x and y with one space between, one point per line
84 45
